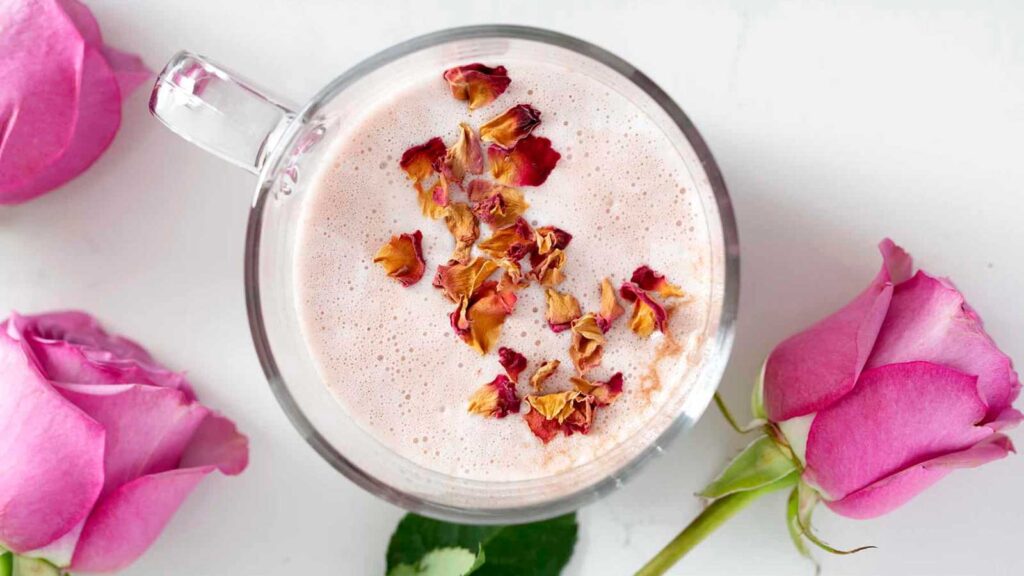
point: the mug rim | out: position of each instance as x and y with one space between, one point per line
726 322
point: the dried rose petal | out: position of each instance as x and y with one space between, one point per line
554 406
587 346
513 362
604 393
430 197
548 238
513 278
495 399
476 83
610 308
649 280
502 207
440 194
528 164
568 412
462 223
563 308
480 189
466 156
543 373
459 281
478 319
548 272
423 161
511 126
512 242
647 314
402 258
541 427
580 418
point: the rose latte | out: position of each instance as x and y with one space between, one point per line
388 353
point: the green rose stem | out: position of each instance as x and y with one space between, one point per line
707 522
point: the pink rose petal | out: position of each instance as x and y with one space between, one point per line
217 442
99 117
60 95
82 329
1008 418
928 320
894 491
148 427
72 347
818 366
898 416
38 88
126 522
51 453
129 70
83 21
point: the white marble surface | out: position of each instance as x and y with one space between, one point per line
834 125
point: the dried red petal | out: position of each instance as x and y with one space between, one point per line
459 281
478 319
604 393
543 372
647 313
528 164
568 412
496 399
402 258
542 427
466 156
423 161
478 84
548 272
501 207
513 362
512 242
610 309
480 189
587 346
649 280
546 240
581 417
511 126
562 309
551 238
462 224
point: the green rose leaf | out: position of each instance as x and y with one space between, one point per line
539 548
443 562
759 464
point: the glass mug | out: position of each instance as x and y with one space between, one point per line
225 115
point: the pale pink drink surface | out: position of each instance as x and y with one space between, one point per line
388 353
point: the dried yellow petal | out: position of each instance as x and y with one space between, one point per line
543 373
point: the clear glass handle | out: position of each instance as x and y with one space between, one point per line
218 111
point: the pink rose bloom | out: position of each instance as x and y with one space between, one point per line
100 444
886 396
60 94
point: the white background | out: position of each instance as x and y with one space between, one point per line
835 125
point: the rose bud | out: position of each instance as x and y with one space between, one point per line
101 444
892 392
867 408
61 90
